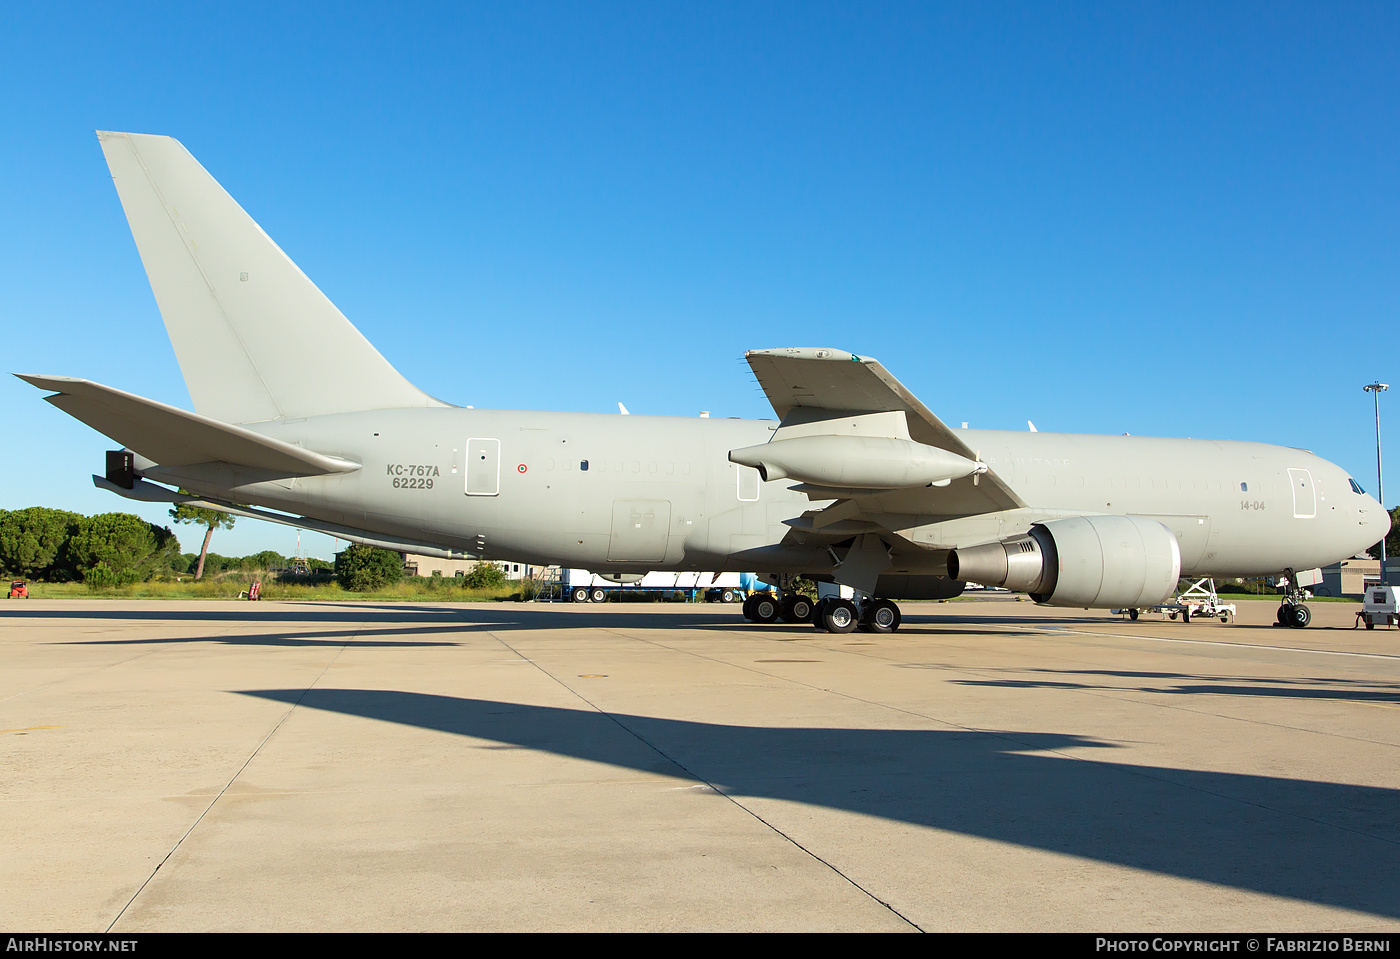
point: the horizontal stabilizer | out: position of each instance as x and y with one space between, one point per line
174 437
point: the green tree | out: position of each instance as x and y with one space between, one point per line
1392 539
117 548
365 568
33 542
211 519
485 576
267 559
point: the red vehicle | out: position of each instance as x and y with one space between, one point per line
19 590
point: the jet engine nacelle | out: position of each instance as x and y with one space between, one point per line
863 462
1086 561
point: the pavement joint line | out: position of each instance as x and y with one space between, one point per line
1212 642
1104 692
232 779
82 672
1119 767
702 780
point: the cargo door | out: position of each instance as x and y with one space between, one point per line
483 466
639 530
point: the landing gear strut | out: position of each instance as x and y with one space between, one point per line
1292 612
832 614
795 608
787 604
880 616
865 613
761 608
836 615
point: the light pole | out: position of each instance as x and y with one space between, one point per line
1376 389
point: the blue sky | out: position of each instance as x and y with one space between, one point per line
1172 219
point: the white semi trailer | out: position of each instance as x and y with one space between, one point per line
582 586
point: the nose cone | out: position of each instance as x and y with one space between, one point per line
1375 520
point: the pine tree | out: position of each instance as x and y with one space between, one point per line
212 519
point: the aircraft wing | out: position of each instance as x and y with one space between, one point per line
809 387
174 437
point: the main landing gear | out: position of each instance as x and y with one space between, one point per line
866 614
1292 612
832 615
769 608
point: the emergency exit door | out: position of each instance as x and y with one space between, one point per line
483 466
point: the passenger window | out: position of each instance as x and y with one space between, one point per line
583 465
1244 487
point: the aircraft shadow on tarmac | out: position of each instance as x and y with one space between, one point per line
1328 843
397 625
1322 688
514 616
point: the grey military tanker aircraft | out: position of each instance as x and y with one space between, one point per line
855 483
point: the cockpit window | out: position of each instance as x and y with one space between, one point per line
1355 486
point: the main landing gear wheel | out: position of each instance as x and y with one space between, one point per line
764 609
837 616
795 608
1133 615
880 616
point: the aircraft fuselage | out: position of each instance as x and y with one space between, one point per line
611 492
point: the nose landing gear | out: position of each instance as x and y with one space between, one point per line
1292 612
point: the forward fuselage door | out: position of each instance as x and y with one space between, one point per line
483 466
1304 493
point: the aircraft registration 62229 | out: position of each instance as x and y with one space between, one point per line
855 482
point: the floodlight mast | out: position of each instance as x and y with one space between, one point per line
1376 389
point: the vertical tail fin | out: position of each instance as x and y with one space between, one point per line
255 339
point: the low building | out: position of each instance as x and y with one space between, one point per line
1351 577
415 564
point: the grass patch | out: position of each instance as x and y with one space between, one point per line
229 586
